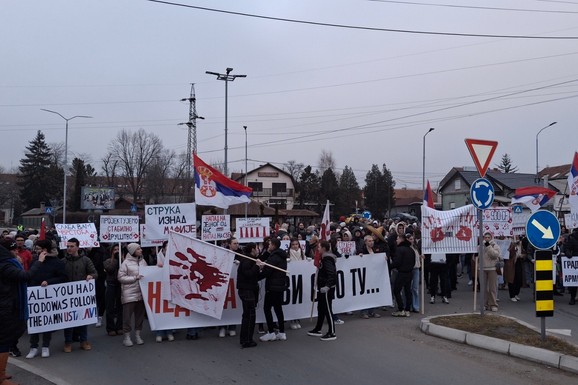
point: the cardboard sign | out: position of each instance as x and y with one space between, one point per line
252 229
145 241
84 232
215 227
119 228
162 219
498 221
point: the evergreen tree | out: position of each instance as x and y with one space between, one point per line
506 166
36 170
81 173
309 187
389 186
349 193
379 191
329 186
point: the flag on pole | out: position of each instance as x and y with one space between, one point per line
534 196
198 274
573 185
324 234
428 197
42 235
214 189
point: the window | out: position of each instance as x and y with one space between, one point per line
256 186
452 205
279 189
458 184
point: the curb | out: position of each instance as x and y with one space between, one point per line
542 356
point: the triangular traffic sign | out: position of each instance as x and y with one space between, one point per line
482 152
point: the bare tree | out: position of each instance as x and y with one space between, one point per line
326 161
109 166
135 152
57 149
157 175
294 168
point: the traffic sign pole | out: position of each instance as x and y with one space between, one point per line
481 264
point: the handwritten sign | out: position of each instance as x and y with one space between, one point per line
84 232
145 241
569 271
498 221
61 306
215 227
346 248
162 219
119 228
252 229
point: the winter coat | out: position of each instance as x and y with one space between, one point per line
491 256
52 270
128 277
111 267
327 274
13 280
510 264
404 258
247 275
78 267
275 280
571 245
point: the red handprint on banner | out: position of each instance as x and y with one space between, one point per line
467 222
434 225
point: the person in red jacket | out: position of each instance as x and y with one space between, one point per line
24 254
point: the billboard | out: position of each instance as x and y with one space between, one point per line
97 198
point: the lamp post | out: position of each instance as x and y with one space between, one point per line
65 156
423 165
246 204
542 129
226 77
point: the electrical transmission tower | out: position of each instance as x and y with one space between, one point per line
192 125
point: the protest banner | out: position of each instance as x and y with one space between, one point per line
504 246
498 221
362 282
198 274
61 306
569 271
252 229
162 219
119 228
145 241
215 227
449 232
519 221
346 247
571 221
84 232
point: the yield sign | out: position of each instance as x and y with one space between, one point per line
482 152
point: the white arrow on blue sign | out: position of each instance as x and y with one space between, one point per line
543 229
482 193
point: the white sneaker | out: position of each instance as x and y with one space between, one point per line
45 352
513 299
170 337
98 322
222 332
138 339
33 353
268 337
159 339
232 333
339 321
281 337
127 341
470 282
518 298
294 325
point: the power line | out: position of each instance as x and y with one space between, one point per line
474 7
375 29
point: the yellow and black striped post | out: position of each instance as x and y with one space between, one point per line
544 284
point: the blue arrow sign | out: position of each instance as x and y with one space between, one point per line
543 229
482 193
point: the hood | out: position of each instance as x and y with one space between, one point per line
5 254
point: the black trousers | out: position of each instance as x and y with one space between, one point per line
274 300
514 287
113 308
439 272
325 310
249 299
403 282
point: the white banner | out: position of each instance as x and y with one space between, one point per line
449 232
504 245
215 227
198 274
498 221
84 232
61 306
162 219
571 221
569 271
252 229
144 239
362 282
119 228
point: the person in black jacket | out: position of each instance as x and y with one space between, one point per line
13 304
275 286
326 281
571 250
248 289
403 261
46 270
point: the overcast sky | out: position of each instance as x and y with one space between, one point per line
366 95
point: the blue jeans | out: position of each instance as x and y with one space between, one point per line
82 331
415 289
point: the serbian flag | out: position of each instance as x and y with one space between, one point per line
214 189
324 235
428 197
199 274
573 185
534 197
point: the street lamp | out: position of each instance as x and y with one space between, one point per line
423 165
226 77
65 156
542 129
246 204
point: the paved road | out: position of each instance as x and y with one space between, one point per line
366 352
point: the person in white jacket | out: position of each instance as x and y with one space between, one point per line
131 295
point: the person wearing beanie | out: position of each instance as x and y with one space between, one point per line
131 296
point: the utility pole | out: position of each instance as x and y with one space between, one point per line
192 128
